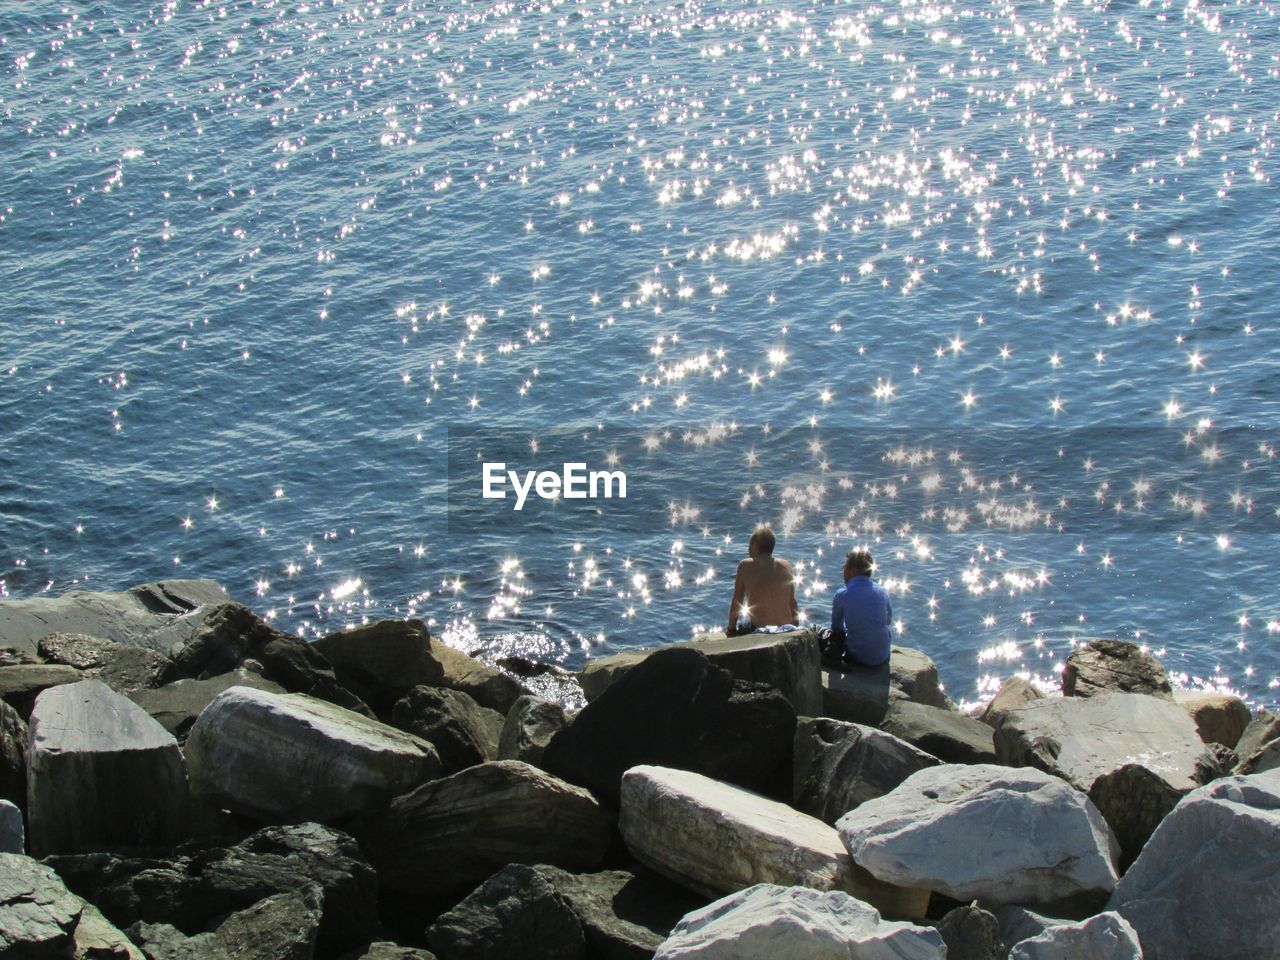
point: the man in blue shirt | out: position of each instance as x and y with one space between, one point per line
861 613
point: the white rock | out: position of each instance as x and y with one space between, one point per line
1205 883
287 757
768 922
12 837
1040 839
1108 936
716 838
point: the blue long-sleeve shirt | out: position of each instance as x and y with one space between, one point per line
862 612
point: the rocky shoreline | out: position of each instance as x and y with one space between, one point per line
178 779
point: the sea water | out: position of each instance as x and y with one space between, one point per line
986 287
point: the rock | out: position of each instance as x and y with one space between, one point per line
449 835
101 773
949 736
1219 717
528 729
121 667
1083 740
281 927
463 732
385 950
384 660
715 838
516 912
290 757
788 662
1204 884
232 633
678 709
1041 840
9 656
1114 666
1262 760
96 939
765 922
625 915
159 616
486 686
38 915
1018 923
841 765
971 933
863 694
1013 693
13 756
1261 730
162 941
176 705
21 684
1107 936
13 837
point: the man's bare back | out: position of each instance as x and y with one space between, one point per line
764 588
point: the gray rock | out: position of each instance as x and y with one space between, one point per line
1204 885
1107 936
516 912
176 705
1084 740
21 684
1261 730
715 838
163 941
13 756
1114 666
384 660
463 732
160 616
765 922
863 694
1262 760
96 939
788 662
528 729
290 757
1219 717
1041 840
949 736
841 765
1013 693
13 838
281 927
486 686
385 950
101 773
1020 923
122 667
449 835
38 915
971 933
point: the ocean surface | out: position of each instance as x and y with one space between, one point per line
987 287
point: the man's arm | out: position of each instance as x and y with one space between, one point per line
735 606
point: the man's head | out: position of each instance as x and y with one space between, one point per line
858 564
761 542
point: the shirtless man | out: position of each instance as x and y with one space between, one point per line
764 591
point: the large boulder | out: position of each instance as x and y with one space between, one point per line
176 705
160 616
1261 730
386 950
1013 693
528 728
1114 666
382 661
13 755
486 685
1204 885
971 933
120 666
21 683
765 922
163 941
101 773
787 661
715 838
841 765
13 837
951 737
38 915
1019 923
1133 754
1219 717
678 709
463 732
95 938
289 758
1264 759
449 835
863 694
1107 936
515 913
1042 841
281 927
